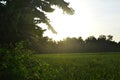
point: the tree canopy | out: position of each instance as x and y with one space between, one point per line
76 45
18 18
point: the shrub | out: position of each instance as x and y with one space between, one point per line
20 64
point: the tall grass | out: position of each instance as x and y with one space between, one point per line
21 64
84 66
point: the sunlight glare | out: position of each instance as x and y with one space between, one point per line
75 25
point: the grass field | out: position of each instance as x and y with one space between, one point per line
81 66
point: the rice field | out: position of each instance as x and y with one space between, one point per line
80 66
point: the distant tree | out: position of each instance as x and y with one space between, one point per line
90 39
18 18
81 44
80 40
110 37
119 43
91 44
102 38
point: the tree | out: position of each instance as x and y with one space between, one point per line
18 18
110 37
90 39
102 38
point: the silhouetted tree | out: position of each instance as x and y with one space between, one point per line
90 39
118 46
91 44
110 37
102 38
18 18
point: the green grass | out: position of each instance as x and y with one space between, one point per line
81 66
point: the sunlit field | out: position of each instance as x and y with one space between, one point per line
81 66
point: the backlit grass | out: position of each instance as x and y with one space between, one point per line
82 66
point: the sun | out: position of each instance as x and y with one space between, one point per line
75 25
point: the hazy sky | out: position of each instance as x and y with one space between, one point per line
91 18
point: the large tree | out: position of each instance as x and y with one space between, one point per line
18 18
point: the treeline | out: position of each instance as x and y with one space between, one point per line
73 45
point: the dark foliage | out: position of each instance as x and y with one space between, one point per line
21 64
18 22
18 64
91 44
18 19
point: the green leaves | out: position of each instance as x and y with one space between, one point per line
21 64
17 18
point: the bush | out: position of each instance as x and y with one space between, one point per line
21 64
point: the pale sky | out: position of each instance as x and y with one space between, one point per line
91 18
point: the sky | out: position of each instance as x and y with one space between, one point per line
91 18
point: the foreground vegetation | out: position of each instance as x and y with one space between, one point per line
22 64
84 66
19 19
